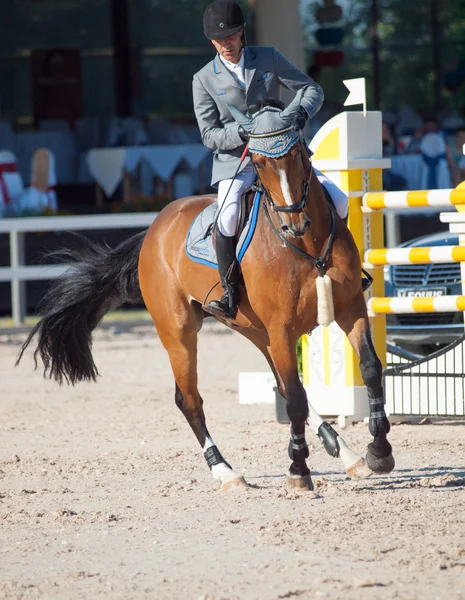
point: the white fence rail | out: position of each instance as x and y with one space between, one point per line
18 273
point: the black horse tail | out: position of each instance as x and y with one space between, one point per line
101 278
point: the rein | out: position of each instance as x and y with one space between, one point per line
319 262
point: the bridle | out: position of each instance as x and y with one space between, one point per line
297 206
319 262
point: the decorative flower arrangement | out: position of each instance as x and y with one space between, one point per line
42 212
142 203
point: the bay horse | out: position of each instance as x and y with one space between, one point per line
302 268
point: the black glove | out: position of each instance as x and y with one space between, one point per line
243 134
300 119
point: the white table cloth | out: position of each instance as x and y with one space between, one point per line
61 143
411 168
108 165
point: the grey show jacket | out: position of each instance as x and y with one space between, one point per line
214 87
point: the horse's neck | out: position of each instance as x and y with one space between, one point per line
318 210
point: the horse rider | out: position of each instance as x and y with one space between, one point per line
242 75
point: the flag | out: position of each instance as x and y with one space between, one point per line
357 91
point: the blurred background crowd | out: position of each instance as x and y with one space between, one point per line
102 89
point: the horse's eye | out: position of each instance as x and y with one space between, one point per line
259 166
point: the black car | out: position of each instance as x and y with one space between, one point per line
424 332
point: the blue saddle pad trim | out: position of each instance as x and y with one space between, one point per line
201 250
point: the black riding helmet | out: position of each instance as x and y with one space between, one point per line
222 18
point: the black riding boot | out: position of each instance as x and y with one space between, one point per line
366 281
229 273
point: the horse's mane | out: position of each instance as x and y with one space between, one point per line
267 102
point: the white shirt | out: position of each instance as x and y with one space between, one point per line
237 70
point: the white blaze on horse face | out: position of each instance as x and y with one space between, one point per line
285 187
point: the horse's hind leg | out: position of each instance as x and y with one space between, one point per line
178 334
354 321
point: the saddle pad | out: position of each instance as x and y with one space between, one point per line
199 245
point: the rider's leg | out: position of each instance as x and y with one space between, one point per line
229 195
340 198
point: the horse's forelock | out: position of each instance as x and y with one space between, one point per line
267 102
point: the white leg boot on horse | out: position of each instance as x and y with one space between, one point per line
354 322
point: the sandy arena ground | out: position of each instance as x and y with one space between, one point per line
104 492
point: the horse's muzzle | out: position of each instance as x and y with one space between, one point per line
296 231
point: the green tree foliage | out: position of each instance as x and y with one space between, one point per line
406 54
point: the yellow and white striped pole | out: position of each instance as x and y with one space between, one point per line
411 256
388 306
446 197
331 374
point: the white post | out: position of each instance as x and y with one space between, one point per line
18 287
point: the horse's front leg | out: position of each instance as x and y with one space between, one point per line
283 354
356 325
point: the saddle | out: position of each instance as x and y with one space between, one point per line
201 239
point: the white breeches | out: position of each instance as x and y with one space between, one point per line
340 198
229 201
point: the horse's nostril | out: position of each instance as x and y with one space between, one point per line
285 228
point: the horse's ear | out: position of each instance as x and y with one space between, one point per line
246 122
288 114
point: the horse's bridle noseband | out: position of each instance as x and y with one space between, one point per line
320 261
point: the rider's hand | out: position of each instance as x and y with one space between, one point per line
243 134
301 119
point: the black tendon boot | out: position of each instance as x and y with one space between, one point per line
366 281
229 273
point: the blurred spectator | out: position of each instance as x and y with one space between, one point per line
389 144
413 146
392 182
430 126
456 158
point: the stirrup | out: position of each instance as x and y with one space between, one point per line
221 308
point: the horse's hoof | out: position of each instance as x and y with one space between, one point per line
359 470
384 464
237 483
295 482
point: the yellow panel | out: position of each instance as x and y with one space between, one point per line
329 148
305 361
379 337
351 181
376 179
356 223
327 355
353 375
